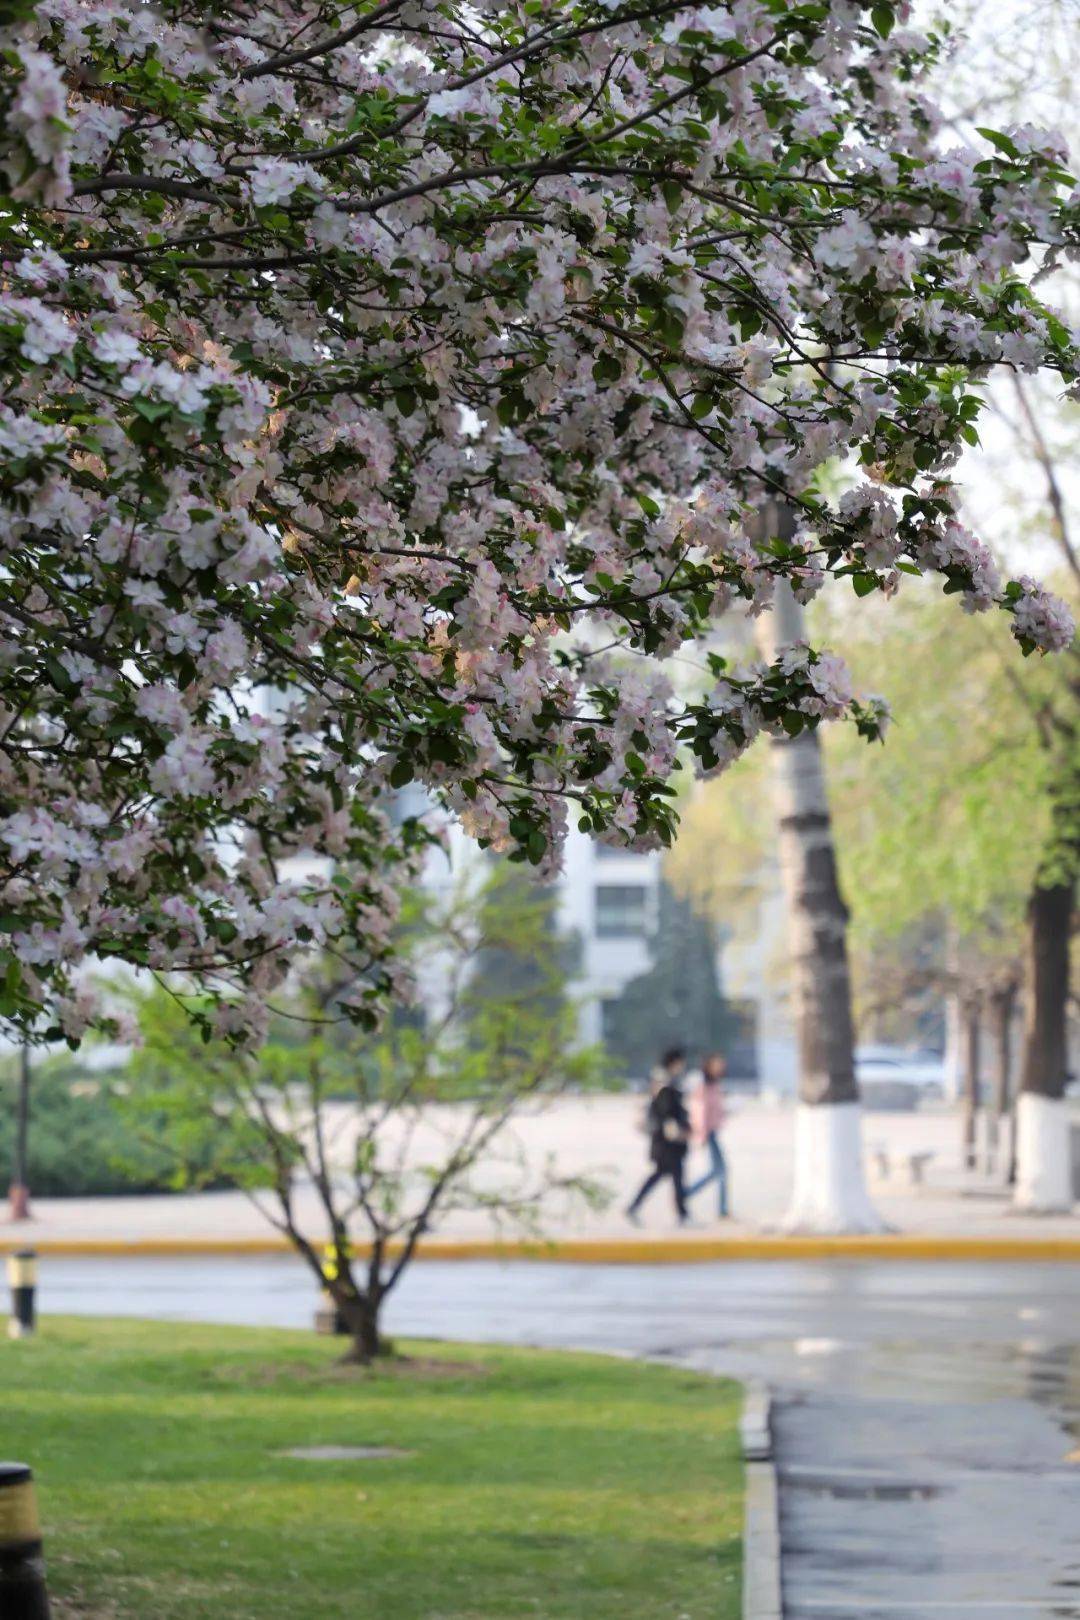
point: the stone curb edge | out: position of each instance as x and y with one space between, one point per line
589 1251
762 1592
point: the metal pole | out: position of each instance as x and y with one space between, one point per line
20 1180
22 1567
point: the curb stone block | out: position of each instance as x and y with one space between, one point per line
762 1597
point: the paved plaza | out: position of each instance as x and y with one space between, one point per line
600 1137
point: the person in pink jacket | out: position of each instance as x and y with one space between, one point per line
707 1114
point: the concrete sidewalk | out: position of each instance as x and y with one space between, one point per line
600 1137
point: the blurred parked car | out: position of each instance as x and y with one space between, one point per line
897 1077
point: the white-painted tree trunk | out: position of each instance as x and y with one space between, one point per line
829 1193
1043 1155
954 1048
999 1116
1043 1146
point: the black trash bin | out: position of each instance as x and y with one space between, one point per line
22 1563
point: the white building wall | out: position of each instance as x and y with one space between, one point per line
608 961
752 965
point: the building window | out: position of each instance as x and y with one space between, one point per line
621 908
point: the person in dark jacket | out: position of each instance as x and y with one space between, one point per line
668 1126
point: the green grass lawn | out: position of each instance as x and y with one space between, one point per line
546 1486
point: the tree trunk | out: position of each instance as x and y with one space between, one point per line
360 1313
954 1019
830 1189
1002 1006
972 1076
1043 1160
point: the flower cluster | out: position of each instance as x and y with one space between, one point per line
1041 622
386 392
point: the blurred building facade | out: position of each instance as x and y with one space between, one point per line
608 899
608 902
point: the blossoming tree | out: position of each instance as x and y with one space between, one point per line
387 389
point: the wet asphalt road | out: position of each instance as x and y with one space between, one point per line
927 1417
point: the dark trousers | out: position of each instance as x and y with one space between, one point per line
674 1169
717 1172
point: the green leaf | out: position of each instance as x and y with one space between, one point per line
883 18
152 409
58 674
607 369
513 407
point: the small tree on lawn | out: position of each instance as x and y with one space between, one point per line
353 1146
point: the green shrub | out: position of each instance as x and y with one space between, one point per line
80 1142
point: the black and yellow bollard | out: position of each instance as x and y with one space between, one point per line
328 1318
22 1565
22 1280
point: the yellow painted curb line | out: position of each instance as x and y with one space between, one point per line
598 1251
